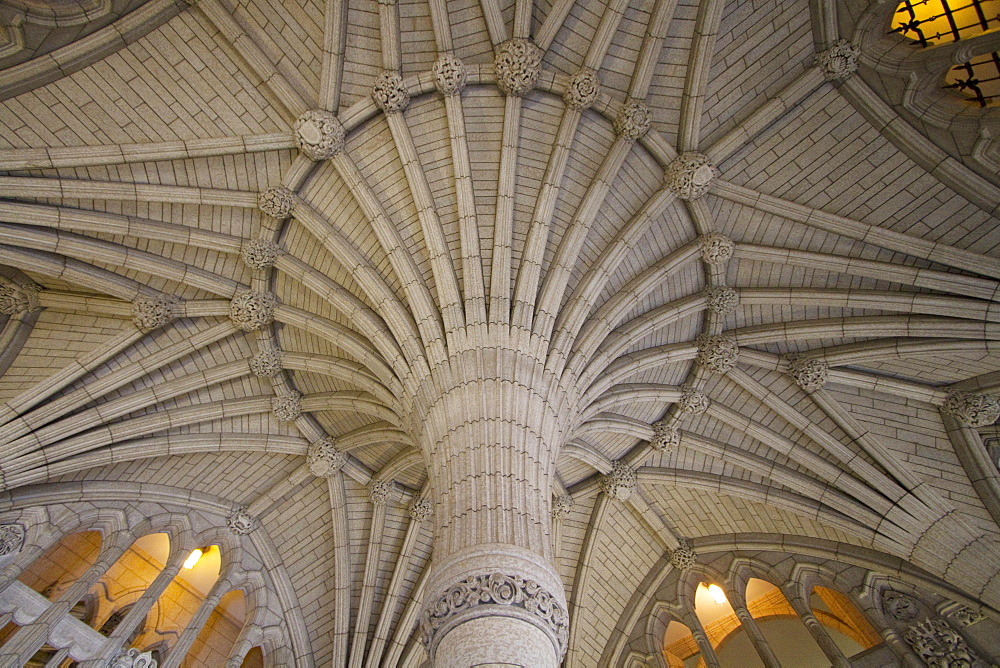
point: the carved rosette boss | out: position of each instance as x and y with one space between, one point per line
240 522
389 93
583 89
449 74
718 353
324 459
266 363
380 492
633 120
259 254
319 134
666 436
517 64
421 510
975 410
11 538
149 313
562 506
276 202
287 407
722 300
15 299
716 249
692 401
690 175
839 61
619 483
252 309
683 557
809 374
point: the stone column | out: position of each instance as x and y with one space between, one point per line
490 424
738 600
796 596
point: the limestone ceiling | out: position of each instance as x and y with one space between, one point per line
796 296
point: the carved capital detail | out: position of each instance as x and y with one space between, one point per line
899 605
240 522
683 557
938 644
839 61
18 299
975 410
517 63
620 482
11 538
133 658
319 134
562 506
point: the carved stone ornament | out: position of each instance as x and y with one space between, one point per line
722 300
11 538
259 254
517 63
692 401
501 590
583 89
689 175
939 645
666 437
380 492
421 510
287 407
718 353
562 506
276 202
133 658
449 74
633 120
319 134
240 522
809 374
900 606
149 313
839 61
252 310
324 459
619 483
683 557
266 363
975 410
716 249
17 299
389 93
964 616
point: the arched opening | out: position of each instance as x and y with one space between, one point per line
844 623
680 649
127 580
62 564
782 629
253 659
219 634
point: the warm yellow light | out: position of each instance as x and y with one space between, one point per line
193 558
719 596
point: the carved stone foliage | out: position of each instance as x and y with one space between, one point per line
689 175
324 459
380 492
266 363
839 61
319 134
287 407
252 309
11 538
421 510
583 89
809 374
939 645
389 93
718 353
449 74
18 299
562 506
975 410
666 437
276 202
683 557
149 313
722 300
620 482
633 120
963 615
240 522
496 589
692 401
259 254
517 63
133 658
900 606
716 249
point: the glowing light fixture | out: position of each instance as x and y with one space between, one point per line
193 558
719 596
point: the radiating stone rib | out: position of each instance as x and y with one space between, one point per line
649 52
876 300
334 47
494 21
503 225
878 326
706 30
63 188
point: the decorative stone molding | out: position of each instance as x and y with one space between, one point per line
718 353
690 175
449 74
18 299
389 93
240 522
287 407
583 89
260 254
716 249
149 313
839 61
722 300
693 401
11 538
683 557
324 459
267 362
421 510
380 492
963 615
975 410
562 506
619 483
633 120
276 202
496 589
809 374
133 658
319 134
517 63
939 645
252 310
900 606
666 437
